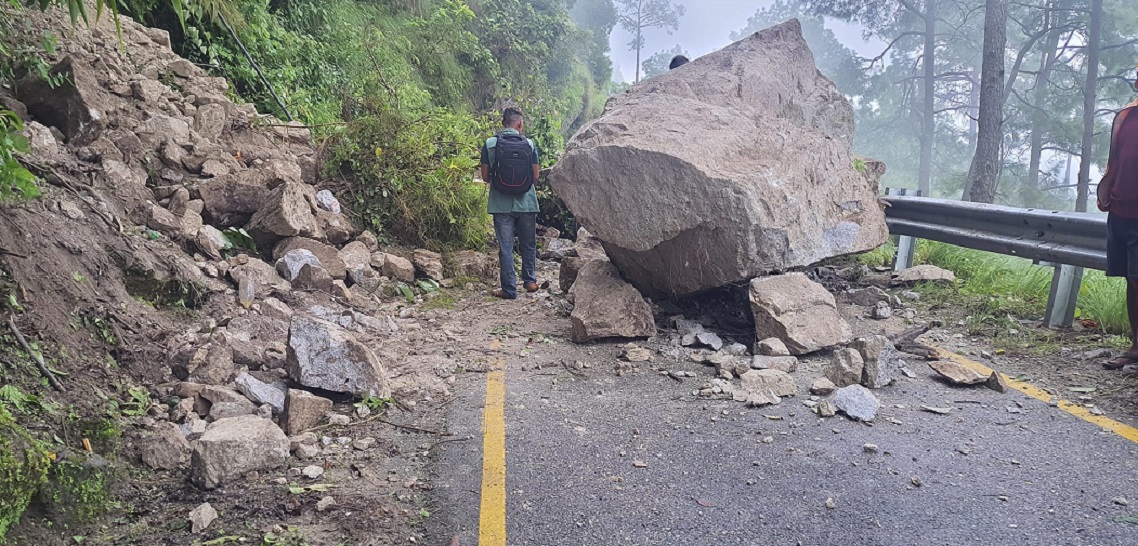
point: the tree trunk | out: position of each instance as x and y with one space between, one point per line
1039 116
928 111
985 169
1090 95
639 46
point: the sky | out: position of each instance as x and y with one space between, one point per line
706 27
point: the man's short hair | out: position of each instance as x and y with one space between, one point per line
511 116
677 61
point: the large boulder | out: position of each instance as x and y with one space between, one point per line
798 311
323 355
78 106
230 202
329 258
287 212
605 306
734 165
235 446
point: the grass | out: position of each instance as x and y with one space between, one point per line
999 290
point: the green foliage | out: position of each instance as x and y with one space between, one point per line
23 469
19 401
16 182
78 488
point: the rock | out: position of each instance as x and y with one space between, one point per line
469 263
341 290
822 387
398 268
777 190
181 68
235 446
223 410
325 356
788 364
355 255
306 451
327 201
996 382
77 107
363 444
41 141
763 387
227 202
771 346
557 249
845 368
166 450
210 120
370 241
312 472
303 410
210 365
710 340
957 374
869 448
307 438
825 409
430 263
290 264
798 311
328 257
336 228
212 242
286 213
867 297
736 349
260 392
567 274
881 311
635 353
857 402
923 273
882 360
313 278
911 296
201 517
606 306
325 503
339 420
159 128
148 90
163 221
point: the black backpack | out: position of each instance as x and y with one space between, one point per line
512 171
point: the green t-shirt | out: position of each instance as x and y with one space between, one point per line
500 203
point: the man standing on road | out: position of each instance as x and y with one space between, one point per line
1118 195
510 164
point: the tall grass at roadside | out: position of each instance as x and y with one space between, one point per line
996 284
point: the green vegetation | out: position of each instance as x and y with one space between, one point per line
996 288
24 463
16 182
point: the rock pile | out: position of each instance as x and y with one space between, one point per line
734 165
209 199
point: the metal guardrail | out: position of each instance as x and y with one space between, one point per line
1071 238
1067 241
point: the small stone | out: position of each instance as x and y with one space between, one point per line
825 409
363 444
635 353
306 451
327 201
996 382
1121 501
845 367
312 472
881 312
338 420
823 387
639 464
869 448
325 503
830 504
201 517
788 364
857 402
956 373
771 346
710 339
917 481
735 349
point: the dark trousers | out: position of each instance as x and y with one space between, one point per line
522 225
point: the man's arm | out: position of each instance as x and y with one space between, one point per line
485 173
485 160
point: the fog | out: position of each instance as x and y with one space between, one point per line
707 26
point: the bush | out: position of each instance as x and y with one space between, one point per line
15 181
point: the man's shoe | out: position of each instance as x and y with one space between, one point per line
501 294
531 287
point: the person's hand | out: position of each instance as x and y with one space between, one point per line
1103 201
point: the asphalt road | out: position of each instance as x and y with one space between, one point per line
999 469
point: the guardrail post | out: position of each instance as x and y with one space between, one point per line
906 246
1064 296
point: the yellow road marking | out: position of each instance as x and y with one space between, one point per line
1126 431
492 520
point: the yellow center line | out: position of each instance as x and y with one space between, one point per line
1123 430
492 519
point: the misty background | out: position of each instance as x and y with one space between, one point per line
707 26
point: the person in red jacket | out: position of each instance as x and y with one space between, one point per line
1118 196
